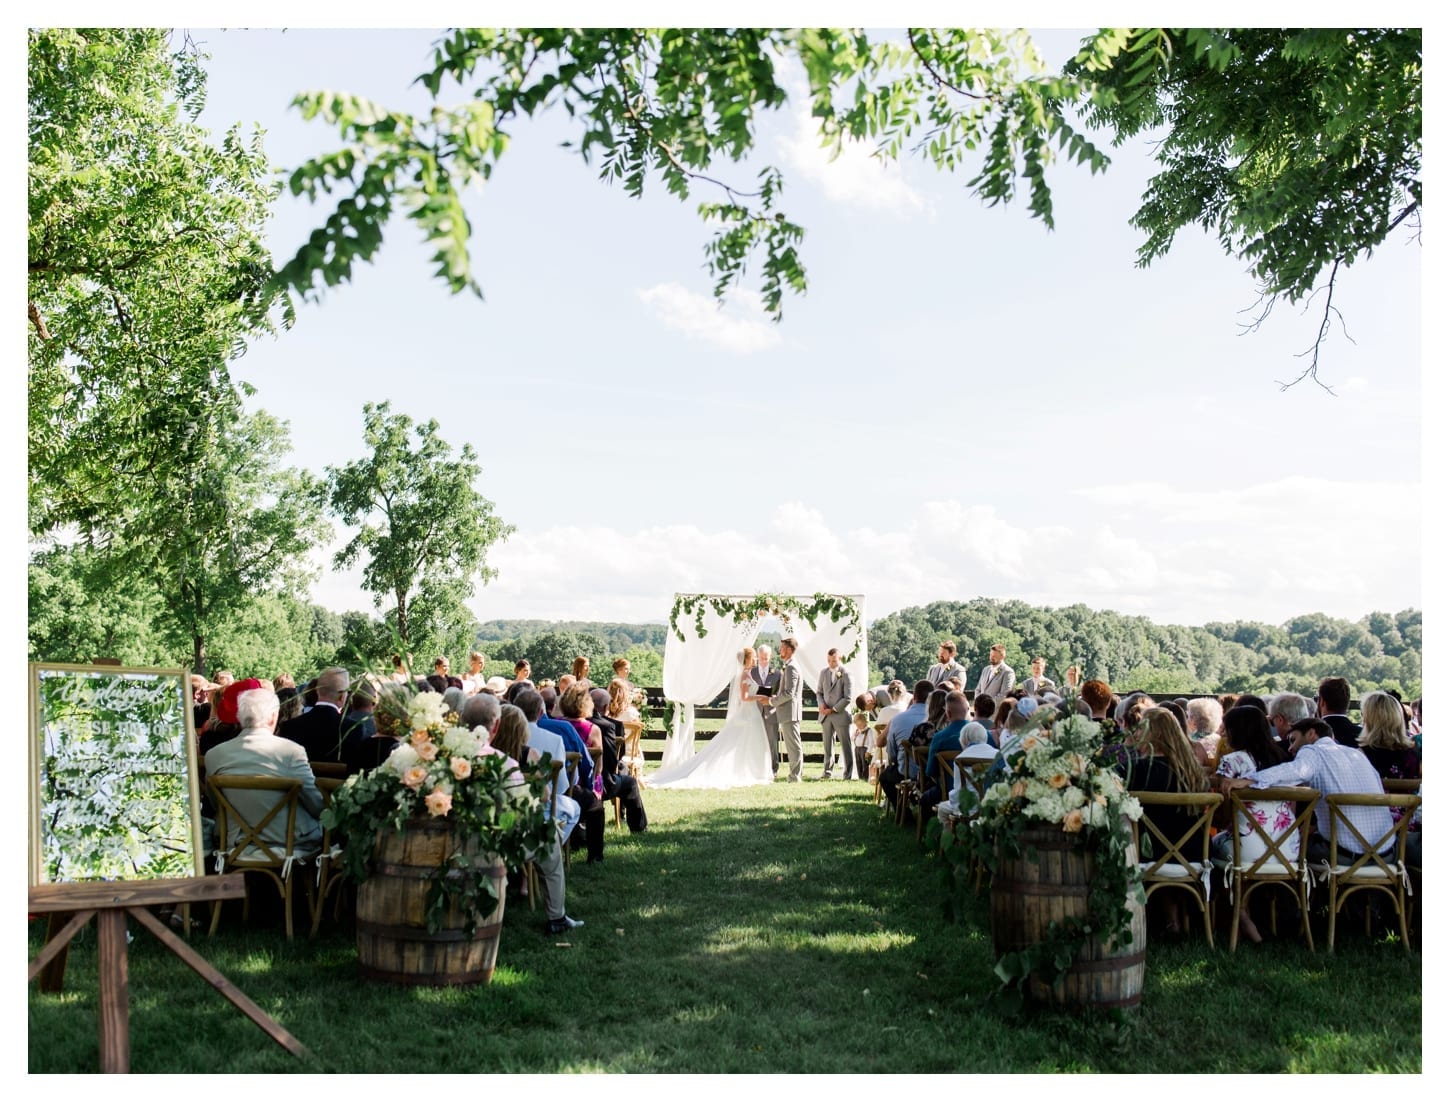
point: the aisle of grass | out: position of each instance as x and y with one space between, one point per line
779 929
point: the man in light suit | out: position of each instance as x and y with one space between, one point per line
768 679
1039 682
833 693
786 702
257 752
946 665
997 678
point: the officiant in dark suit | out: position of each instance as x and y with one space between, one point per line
768 680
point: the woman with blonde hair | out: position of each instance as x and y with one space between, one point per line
1162 760
1384 740
619 702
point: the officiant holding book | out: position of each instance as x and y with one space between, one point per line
768 680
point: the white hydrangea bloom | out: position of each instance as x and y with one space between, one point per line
425 710
460 742
403 758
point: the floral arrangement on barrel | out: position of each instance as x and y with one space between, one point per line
440 770
1058 778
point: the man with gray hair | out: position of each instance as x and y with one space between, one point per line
319 729
1285 710
767 679
258 752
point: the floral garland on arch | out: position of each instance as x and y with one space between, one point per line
836 607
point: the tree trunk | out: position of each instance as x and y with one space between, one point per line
403 620
198 655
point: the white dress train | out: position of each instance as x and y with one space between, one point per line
737 756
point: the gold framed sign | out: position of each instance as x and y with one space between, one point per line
113 774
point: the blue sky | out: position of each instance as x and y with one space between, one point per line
963 404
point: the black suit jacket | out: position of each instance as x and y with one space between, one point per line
1346 731
768 682
318 731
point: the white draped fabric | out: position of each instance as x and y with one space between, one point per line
811 658
698 668
695 672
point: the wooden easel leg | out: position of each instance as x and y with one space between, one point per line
113 1003
52 978
220 983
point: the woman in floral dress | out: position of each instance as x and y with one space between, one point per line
1247 746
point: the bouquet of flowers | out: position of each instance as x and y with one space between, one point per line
443 771
1057 777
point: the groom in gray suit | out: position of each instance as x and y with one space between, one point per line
787 700
833 694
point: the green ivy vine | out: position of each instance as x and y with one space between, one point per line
836 607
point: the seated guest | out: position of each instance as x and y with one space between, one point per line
550 860
947 737
1285 710
225 724
984 709
1248 745
1011 735
1163 761
257 752
319 730
1384 741
548 743
290 702
1320 761
576 707
617 785
495 685
1099 698
1333 701
362 747
1205 717
1252 700
898 736
514 736
453 699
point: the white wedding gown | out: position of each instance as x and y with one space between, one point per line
737 756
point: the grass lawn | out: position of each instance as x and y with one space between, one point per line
775 929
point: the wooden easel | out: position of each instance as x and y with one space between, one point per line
111 902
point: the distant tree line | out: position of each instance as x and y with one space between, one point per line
1381 650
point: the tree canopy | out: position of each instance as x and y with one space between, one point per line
1300 149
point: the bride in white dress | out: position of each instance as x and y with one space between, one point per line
738 755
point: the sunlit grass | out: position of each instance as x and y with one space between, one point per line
757 925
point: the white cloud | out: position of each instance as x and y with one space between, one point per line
1160 557
856 177
736 325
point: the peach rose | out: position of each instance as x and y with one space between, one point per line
1058 780
1019 789
461 768
424 746
415 776
1072 821
439 802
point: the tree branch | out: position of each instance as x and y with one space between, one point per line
941 80
36 320
1312 371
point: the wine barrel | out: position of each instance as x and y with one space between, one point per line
1028 895
393 942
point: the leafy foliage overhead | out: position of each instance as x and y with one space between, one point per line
1299 148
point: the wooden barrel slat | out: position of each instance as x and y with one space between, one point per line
1028 896
393 942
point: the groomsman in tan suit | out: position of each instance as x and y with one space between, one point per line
997 678
833 693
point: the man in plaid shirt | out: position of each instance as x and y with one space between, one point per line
1333 768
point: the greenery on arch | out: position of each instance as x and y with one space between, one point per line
836 607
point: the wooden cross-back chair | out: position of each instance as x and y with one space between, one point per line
1403 786
1371 869
1276 865
531 867
251 852
632 760
329 864
878 756
908 792
1180 862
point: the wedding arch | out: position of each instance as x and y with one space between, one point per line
707 631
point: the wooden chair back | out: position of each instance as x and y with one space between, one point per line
328 769
633 760
329 870
249 834
1273 863
1402 786
1370 869
1190 849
